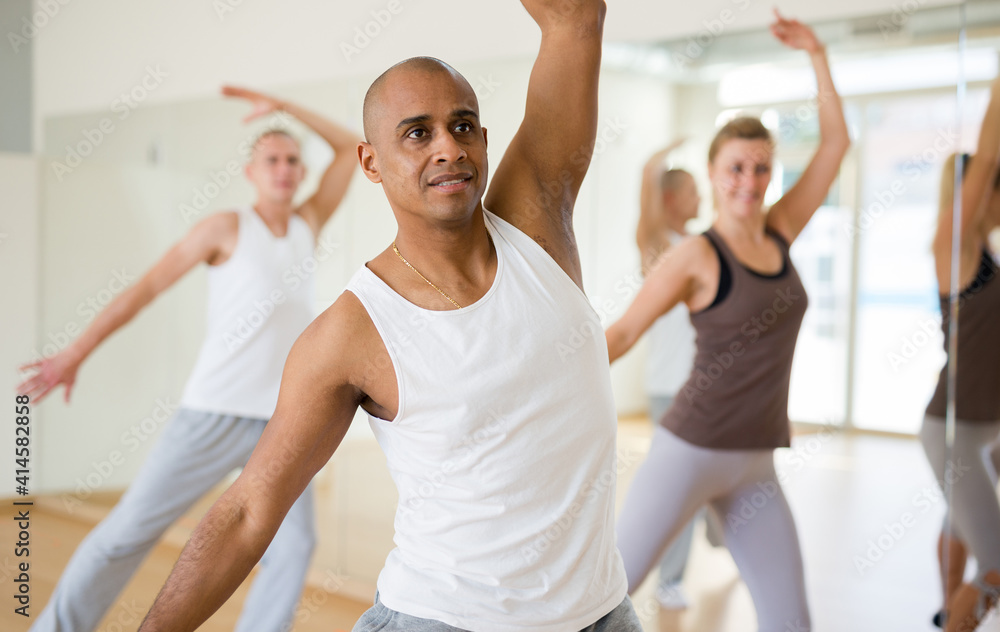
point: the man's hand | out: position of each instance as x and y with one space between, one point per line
202 243
549 14
655 162
50 373
262 103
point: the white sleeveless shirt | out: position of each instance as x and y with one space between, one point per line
502 450
257 307
671 348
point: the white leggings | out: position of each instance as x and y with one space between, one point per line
741 487
974 511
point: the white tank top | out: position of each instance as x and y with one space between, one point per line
671 348
502 450
257 307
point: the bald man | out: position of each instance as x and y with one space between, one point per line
501 443
233 388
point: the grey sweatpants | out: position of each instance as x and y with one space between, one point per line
969 470
740 486
378 618
196 450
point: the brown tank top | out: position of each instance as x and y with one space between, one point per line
737 395
977 382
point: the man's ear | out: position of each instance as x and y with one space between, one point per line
366 156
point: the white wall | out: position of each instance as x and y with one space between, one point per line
88 53
19 253
101 229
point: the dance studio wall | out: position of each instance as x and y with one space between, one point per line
85 52
163 167
19 255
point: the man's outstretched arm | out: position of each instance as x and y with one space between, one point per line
536 184
201 244
315 407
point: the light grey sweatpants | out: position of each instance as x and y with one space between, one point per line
196 450
378 618
973 510
740 486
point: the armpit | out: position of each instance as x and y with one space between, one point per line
544 243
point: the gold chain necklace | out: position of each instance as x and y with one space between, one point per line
396 250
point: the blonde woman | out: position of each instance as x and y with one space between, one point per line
715 444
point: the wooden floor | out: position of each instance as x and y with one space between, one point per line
54 537
847 493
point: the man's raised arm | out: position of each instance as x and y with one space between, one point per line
315 407
536 184
318 209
